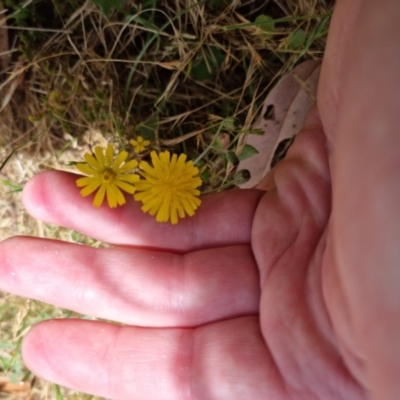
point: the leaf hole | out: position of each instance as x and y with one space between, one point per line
269 112
281 151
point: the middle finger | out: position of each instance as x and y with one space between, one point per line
134 286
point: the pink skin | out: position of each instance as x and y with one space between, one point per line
286 294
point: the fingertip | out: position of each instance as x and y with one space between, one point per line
29 193
27 349
34 352
69 353
34 196
43 195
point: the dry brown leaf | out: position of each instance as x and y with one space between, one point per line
180 139
4 49
171 65
287 106
9 387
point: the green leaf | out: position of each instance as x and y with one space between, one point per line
266 24
148 129
206 67
297 39
231 157
76 237
205 176
107 5
229 123
218 3
57 392
14 188
241 177
247 152
253 131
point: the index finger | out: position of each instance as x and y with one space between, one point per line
223 218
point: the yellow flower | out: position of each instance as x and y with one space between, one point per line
169 187
108 175
139 144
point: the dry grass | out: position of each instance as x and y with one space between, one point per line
189 76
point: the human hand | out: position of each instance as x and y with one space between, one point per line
260 295
227 304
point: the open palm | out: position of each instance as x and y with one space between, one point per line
249 299
228 304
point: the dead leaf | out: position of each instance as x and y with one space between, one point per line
180 139
14 388
93 138
4 48
172 65
282 116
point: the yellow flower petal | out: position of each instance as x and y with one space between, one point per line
125 186
121 157
139 144
174 215
132 164
109 175
87 180
100 157
98 199
132 178
108 159
112 203
169 187
119 196
92 162
90 188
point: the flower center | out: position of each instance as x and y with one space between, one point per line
170 182
108 176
